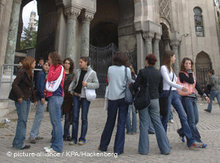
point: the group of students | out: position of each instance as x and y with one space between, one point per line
70 96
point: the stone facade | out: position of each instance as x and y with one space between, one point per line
149 26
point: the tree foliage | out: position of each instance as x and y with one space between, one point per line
28 39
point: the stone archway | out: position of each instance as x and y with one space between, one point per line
203 65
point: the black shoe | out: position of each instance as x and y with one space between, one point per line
26 147
151 132
68 138
102 150
207 110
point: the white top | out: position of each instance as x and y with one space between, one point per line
167 79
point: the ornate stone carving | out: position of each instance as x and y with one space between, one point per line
88 17
165 9
72 12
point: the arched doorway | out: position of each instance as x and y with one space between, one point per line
109 26
203 65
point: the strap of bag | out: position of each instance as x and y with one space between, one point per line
89 75
126 77
171 86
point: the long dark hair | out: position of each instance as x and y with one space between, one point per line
167 58
182 67
120 58
55 57
71 64
85 59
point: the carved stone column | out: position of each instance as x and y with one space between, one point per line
72 13
12 32
140 50
175 46
157 50
85 33
148 36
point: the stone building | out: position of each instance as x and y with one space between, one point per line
97 28
32 21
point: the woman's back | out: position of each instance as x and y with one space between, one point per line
117 82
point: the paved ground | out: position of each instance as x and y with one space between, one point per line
209 127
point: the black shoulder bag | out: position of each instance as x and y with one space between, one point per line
163 101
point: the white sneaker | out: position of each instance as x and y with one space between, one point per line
171 121
46 148
50 150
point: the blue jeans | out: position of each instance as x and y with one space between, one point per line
131 125
22 112
214 94
175 100
37 120
54 104
152 113
67 125
114 107
84 103
192 116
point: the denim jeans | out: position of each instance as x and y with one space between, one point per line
175 100
152 113
37 120
22 112
54 105
115 106
214 94
67 125
131 126
191 109
84 103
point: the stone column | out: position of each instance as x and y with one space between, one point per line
157 50
2 4
85 33
140 50
148 36
72 14
12 32
175 46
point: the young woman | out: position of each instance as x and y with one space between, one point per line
40 87
23 92
68 98
151 113
84 77
116 103
189 98
55 100
169 81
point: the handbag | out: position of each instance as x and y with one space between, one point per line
128 95
90 93
52 86
142 98
163 101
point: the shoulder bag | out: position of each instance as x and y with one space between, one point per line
90 93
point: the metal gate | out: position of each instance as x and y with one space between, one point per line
202 76
101 59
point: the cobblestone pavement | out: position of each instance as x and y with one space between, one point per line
209 127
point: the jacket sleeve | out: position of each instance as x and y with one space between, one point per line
54 73
199 89
189 79
95 82
40 86
138 81
17 90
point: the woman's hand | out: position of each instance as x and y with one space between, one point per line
42 101
84 83
184 89
207 99
20 100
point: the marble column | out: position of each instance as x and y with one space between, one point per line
157 50
12 32
175 47
140 50
85 33
72 13
148 36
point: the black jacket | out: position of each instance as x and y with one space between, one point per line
155 81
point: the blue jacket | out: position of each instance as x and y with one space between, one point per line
40 84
